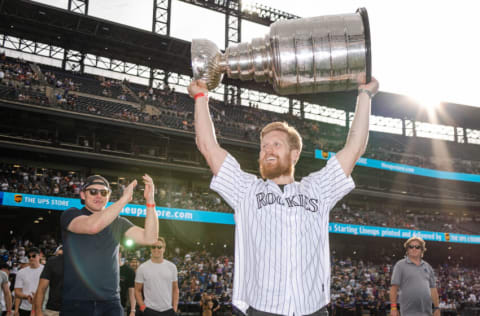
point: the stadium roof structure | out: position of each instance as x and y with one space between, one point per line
54 26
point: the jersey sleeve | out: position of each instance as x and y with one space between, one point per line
231 182
330 184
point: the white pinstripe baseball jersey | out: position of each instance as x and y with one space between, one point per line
282 251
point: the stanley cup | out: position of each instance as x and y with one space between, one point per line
310 55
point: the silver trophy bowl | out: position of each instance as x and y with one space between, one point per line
310 55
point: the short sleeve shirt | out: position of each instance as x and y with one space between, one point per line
414 283
27 280
91 269
157 279
53 272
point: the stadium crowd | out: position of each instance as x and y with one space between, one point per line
358 287
44 181
19 82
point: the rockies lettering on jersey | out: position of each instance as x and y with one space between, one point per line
292 201
282 252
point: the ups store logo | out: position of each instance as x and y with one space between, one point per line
447 236
18 198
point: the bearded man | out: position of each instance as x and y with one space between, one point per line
282 253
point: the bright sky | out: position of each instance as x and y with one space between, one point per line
427 49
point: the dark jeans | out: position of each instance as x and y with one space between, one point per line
255 312
151 312
24 312
91 308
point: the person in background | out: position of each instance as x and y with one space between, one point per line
158 279
416 281
26 283
52 279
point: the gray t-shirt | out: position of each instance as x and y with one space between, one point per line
157 281
414 283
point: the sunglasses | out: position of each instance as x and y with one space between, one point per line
32 256
94 192
416 247
156 247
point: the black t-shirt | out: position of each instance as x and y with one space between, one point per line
53 272
91 261
127 280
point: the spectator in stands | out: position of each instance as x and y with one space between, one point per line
206 303
280 148
91 238
416 281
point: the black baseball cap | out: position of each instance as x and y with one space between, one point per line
96 179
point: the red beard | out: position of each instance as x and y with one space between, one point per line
271 171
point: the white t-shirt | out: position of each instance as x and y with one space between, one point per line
27 280
157 281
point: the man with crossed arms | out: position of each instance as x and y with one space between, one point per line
282 260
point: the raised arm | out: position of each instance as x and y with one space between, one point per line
358 135
96 222
204 129
149 234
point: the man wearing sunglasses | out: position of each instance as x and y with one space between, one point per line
27 281
417 283
157 279
91 238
